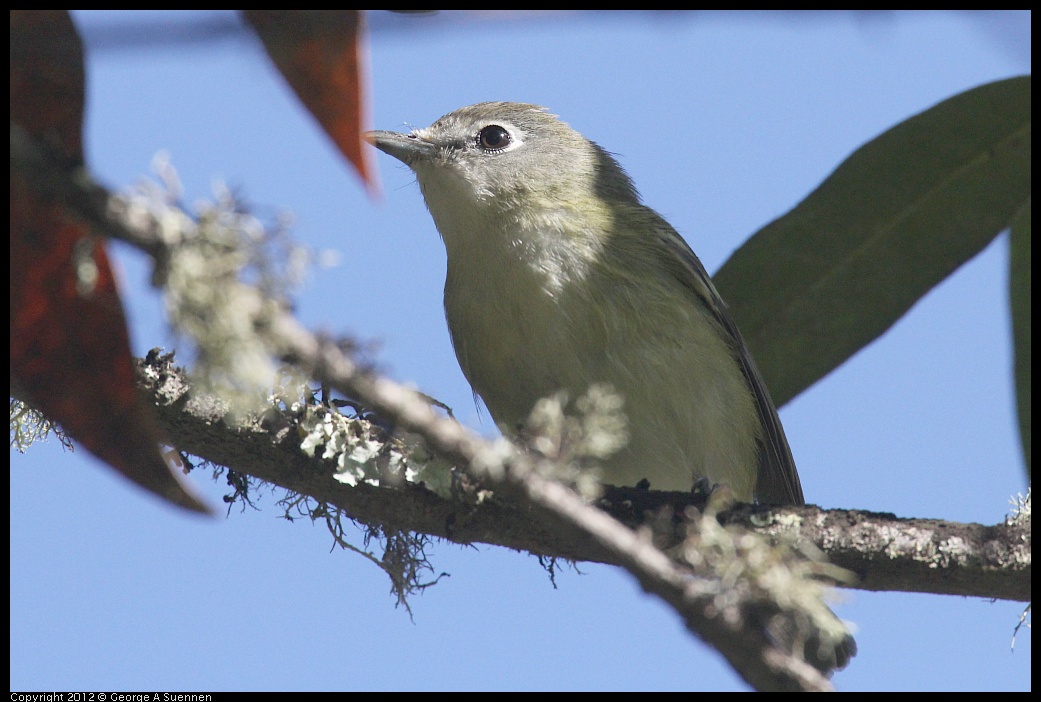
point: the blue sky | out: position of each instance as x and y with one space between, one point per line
725 122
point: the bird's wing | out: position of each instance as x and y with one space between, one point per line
777 481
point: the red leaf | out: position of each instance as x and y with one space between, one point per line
70 350
318 53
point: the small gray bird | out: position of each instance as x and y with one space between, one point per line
560 278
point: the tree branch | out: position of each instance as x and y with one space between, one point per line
884 551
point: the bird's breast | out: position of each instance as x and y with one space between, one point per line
521 328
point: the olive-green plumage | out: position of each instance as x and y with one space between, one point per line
559 278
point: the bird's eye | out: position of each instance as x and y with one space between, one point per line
493 138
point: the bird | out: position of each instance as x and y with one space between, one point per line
560 278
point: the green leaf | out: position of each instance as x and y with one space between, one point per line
897 217
1019 297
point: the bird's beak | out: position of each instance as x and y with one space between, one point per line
407 148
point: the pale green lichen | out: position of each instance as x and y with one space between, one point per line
363 453
743 565
1020 513
575 443
28 426
226 278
